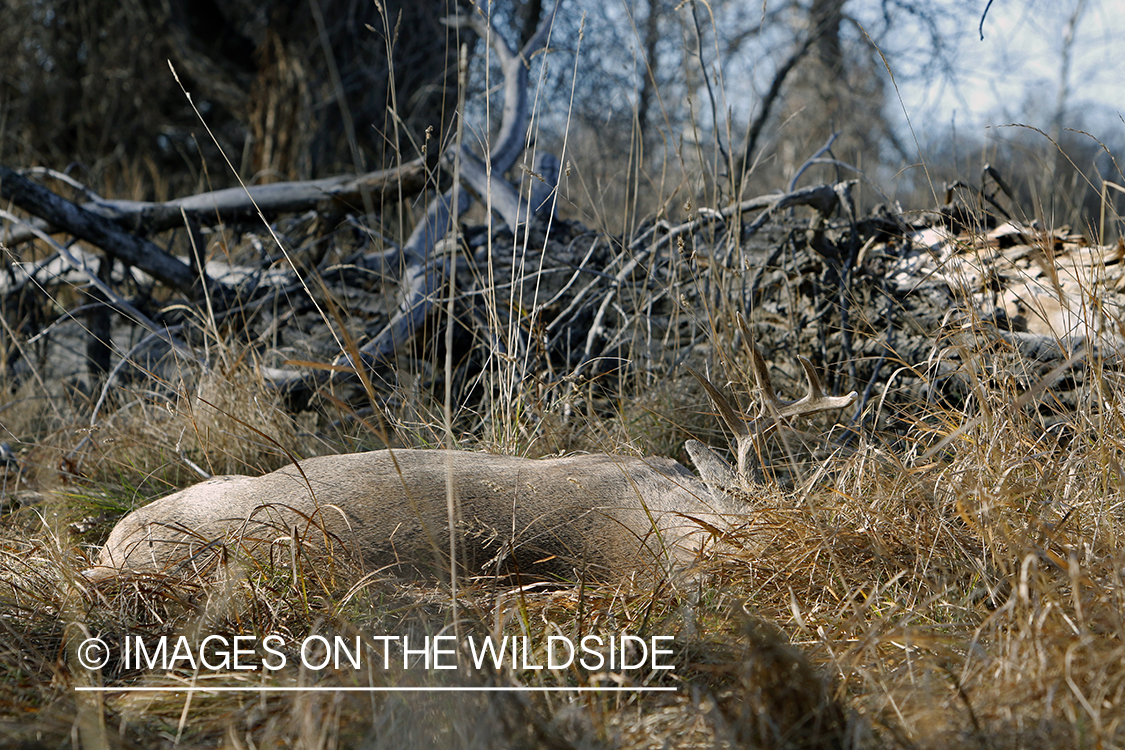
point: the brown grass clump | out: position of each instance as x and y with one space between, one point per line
971 597
226 422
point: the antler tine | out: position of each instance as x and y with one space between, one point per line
816 391
761 370
814 401
748 431
762 377
735 421
706 461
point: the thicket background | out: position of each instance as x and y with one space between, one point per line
968 596
654 98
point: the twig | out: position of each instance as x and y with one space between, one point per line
599 317
814 159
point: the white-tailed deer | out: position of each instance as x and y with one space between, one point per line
589 517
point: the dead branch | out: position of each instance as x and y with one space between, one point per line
423 276
243 204
823 198
102 232
491 188
421 279
513 128
111 297
820 197
426 269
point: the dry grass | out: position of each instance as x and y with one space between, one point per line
969 598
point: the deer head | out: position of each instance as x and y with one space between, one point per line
749 431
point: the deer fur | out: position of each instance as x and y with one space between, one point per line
557 518
588 517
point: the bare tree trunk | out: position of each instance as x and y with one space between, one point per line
648 87
825 17
1063 96
532 13
99 327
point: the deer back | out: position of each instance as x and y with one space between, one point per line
593 516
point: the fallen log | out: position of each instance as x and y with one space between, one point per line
245 203
104 233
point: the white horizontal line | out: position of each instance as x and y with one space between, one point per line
296 689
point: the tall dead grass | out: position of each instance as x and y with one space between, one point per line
969 597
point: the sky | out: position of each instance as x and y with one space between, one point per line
1012 75
1015 71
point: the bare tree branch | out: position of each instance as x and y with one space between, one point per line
754 131
513 128
236 204
102 232
425 275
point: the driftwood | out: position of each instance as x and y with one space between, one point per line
425 274
102 232
244 203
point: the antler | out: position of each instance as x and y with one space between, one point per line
746 429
